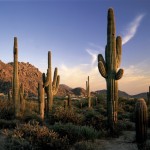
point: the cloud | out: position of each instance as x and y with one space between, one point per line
93 54
132 29
77 76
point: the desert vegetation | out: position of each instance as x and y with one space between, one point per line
71 122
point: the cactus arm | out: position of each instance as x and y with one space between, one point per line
119 74
57 85
46 81
102 66
102 69
118 50
55 78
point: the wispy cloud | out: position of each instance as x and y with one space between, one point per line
93 54
132 29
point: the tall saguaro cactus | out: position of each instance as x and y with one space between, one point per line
141 123
88 92
108 68
52 87
16 99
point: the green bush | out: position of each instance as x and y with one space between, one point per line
96 120
64 116
75 133
33 136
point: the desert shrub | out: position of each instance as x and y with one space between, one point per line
15 143
30 116
33 136
82 101
96 120
8 123
64 116
32 105
101 109
75 133
6 110
126 125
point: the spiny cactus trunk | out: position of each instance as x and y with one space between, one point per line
69 101
141 123
88 92
112 97
49 88
16 80
108 68
22 99
148 97
41 99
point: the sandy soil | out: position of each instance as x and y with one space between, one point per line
124 142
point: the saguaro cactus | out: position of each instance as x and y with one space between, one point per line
52 87
69 101
141 123
108 68
41 99
16 99
42 87
88 92
148 97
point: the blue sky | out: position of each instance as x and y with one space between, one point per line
75 32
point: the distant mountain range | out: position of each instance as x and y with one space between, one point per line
29 75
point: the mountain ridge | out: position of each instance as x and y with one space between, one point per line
30 76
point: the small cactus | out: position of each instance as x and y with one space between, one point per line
65 104
88 92
69 101
141 123
22 98
148 97
10 95
41 98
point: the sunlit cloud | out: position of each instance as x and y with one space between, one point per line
132 29
77 76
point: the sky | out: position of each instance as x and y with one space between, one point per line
76 32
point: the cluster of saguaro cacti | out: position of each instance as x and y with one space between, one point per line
148 97
141 123
108 68
16 99
88 92
51 86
